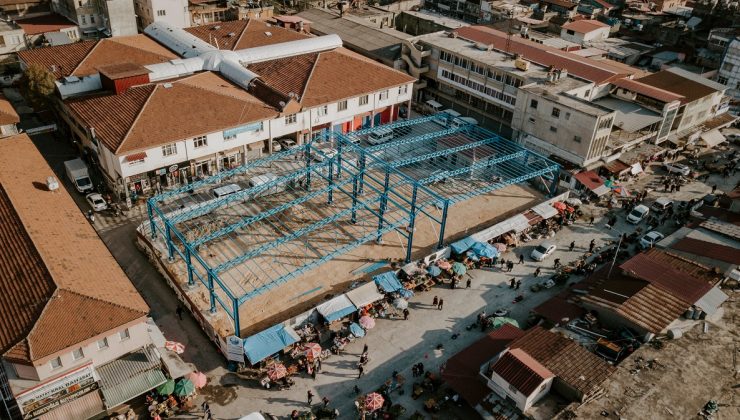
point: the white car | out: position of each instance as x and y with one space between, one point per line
677 168
543 250
329 153
287 144
96 201
650 239
638 214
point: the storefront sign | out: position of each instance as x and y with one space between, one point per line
235 349
63 400
173 168
162 171
49 393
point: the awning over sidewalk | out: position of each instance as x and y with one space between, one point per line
388 282
364 295
268 342
545 210
462 245
83 407
336 308
593 182
130 376
711 138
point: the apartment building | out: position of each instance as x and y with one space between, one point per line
173 12
729 70
76 341
226 115
98 18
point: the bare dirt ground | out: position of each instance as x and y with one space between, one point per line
691 370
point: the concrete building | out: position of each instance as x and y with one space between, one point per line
584 31
478 11
76 339
208 11
729 70
35 31
101 17
173 12
15 9
219 123
9 118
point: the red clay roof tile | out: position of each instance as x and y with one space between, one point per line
521 371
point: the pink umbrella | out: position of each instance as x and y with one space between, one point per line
276 371
559 205
367 322
312 350
374 401
178 348
198 379
500 247
444 264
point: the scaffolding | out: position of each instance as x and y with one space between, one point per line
299 208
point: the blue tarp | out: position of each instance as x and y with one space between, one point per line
388 282
484 249
268 342
336 308
434 271
406 293
462 245
356 330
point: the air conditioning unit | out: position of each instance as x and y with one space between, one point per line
52 183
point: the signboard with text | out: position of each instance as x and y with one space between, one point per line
235 349
47 396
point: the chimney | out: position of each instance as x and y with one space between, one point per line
300 26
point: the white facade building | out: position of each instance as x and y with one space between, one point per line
173 12
584 31
729 70
96 17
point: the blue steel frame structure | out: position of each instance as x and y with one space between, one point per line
424 170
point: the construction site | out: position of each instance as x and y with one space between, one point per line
263 242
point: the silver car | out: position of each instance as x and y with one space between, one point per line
96 201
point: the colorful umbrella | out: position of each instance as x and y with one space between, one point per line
374 401
166 388
276 371
434 271
559 205
184 387
356 330
500 247
312 350
198 379
178 348
400 303
499 321
367 322
444 264
459 268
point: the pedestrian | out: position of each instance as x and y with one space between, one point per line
178 311
441 303
503 262
509 265
325 401
591 221
313 373
209 416
205 407
309 397
363 359
414 371
435 301
406 314
512 283
572 245
591 245
557 262
421 369
356 389
521 258
364 349
467 283
673 188
537 272
361 371
518 283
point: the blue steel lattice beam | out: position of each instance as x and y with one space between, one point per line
415 139
443 152
477 165
397 124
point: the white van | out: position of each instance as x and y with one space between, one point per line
226 190
380 136
433 106
460 121
447 117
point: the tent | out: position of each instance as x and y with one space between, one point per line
364 295
336 308
388 282
356 330
268 342
484 249
545 210
462 245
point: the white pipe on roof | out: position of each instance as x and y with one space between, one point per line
290 48
178 40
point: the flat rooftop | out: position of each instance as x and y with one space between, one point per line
560 89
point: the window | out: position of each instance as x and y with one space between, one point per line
200 141
727 66
570 32
92 18
169 149
322 110
577 139
84 19
124 335
402 90
103 344
531 120
78 354
722 80
445 56
553 129
556 112
230 137
161 12
364 100
56 363
342 106
588 92
291 119
567 115
533 104
383 95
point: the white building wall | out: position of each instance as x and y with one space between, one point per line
729 70
580 38
172 12
12 41
120 18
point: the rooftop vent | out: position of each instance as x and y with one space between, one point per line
231 35
215 28
52 184
268 33
167 85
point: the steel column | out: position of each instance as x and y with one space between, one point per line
362 173
189 262
383 204
211 292
340 143
555 180
235 316
411 227
330 194
308 166
443 224
168 238
354 201
150 213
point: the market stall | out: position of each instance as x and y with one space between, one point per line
364 295
268 342
388 282
462 245
336 308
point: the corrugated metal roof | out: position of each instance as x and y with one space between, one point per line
130 376
84 407
711 302
666 275
708 249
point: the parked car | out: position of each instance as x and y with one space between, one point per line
329 153
380 135
677 168
661 204
287 144
638 214
226 190
96 201
543 250
650 239
276 146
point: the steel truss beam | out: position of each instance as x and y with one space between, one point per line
397 124
415 139
476 165
444 152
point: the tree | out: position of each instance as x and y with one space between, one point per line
37 85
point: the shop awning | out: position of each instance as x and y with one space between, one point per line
388 282
336 308
545 210
712 138
172 362
462 245
130 376
364 295
268 342
593 182
84 407
616 167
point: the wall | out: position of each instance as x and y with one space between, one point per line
175 12
729 70
13 40
523 402
698 111
120 17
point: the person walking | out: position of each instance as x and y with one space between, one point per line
364 349
314 373
325 401
591 221
591 245
572 245
205 407
363 359
441 303
518 283
467 283
537 272
361 371
309 397
510 266
406 314
521 258
435 301
714 188
178 311
512 283
318 364
557 262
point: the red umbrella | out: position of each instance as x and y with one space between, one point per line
559 205
276 371
374 401
178 348
312 350
198 379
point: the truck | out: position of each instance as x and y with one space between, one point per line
77 174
